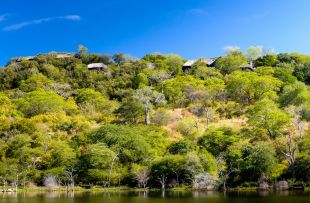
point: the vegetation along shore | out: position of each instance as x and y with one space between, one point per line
82 121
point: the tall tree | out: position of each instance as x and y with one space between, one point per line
147 98
231 62
267 116
82 49
254 52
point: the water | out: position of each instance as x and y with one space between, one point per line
157 197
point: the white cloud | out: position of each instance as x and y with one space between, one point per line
40 21
229 49
71 17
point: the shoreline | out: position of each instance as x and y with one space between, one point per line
128 189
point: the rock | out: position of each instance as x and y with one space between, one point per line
262 183
204 181
31 185
282 185
263 186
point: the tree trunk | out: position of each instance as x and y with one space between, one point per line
207 111
144 185
111 170
147 116
224 184
293 171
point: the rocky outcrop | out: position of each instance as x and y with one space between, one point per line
262 183
282 185
204 181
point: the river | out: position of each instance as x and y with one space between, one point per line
156 197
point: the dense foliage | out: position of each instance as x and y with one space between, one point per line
145 122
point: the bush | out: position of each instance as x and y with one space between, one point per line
180 147
161 117
188 127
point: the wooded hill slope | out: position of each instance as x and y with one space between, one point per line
146 123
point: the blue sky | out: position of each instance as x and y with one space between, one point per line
190 28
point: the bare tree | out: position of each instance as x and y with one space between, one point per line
15 183
162 180
177 174
292 144
51 182
111 168
31 166
147 98
142 177
159 78
223 172
69 173
4 181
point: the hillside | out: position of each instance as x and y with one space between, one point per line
153 122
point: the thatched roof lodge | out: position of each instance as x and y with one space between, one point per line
97 66
248 66
24 58
58 55
210 62
61 55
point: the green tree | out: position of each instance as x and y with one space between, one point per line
125 140
295 94
217 141
231 62
302 72
82 49
180 147
39 102
130 112
267 116
174 88
284 75
257 159
96 163
141 80
92 102
266 60
242 86
37 81
173 167
254 52
119 58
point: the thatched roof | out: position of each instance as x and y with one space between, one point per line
207 61
248 66
190 63
64 55
97 66
24 58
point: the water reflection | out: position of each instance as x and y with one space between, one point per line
156 197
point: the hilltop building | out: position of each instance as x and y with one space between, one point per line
210 62
97 66
248 66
